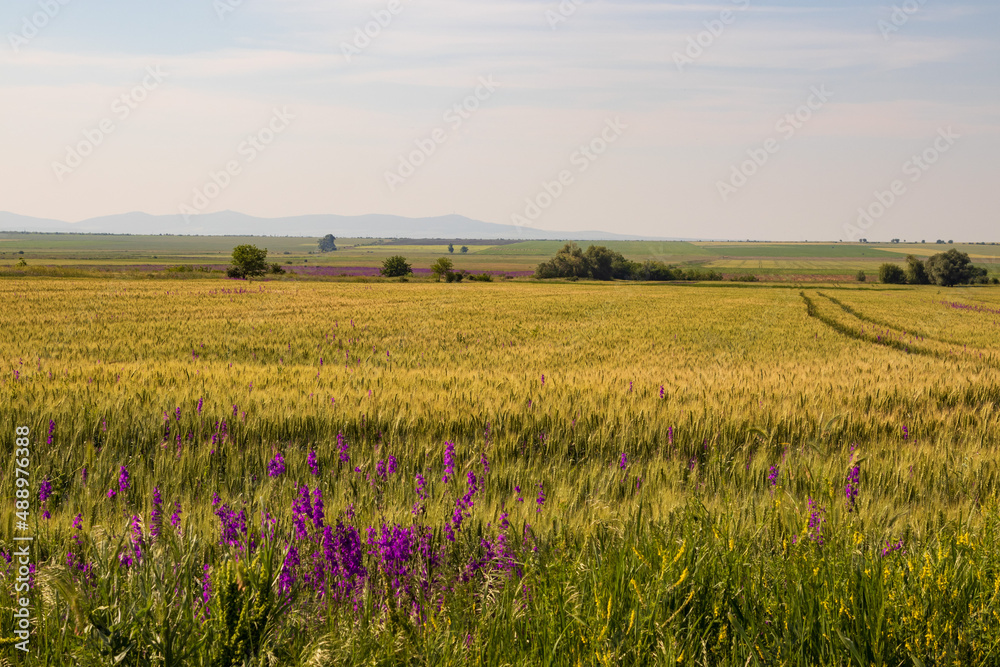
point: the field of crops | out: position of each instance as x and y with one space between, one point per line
510 473
82 255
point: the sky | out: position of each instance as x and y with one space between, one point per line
739 119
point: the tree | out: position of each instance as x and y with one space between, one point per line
395 267
860 276
248 261
328 243
465 249
916 272
443 269
451 248
953 268
891 274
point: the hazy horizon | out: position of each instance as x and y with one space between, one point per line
727 120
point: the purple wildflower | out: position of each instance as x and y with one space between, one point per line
449 461
540 500
851 489
313 463
287 577
156 516
233 525
815 527
175 518
123 480
772 475
623 461
892 548
276 466
318 507
342 448
302 513
206 585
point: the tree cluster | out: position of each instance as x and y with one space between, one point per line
602 263
945 269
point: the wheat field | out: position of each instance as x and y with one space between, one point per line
283 473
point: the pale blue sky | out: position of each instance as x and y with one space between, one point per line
684 129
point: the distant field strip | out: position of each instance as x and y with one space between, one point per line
766 250
637 250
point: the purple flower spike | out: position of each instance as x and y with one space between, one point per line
175 518
156 516
277 465
449 461
851 488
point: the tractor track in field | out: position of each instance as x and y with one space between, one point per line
892 343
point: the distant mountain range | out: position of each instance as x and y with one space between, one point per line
232 223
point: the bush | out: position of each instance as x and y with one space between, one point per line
891 274
657 271
482 278
276 268
860 276
698 274
747 278
395 267
249 261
